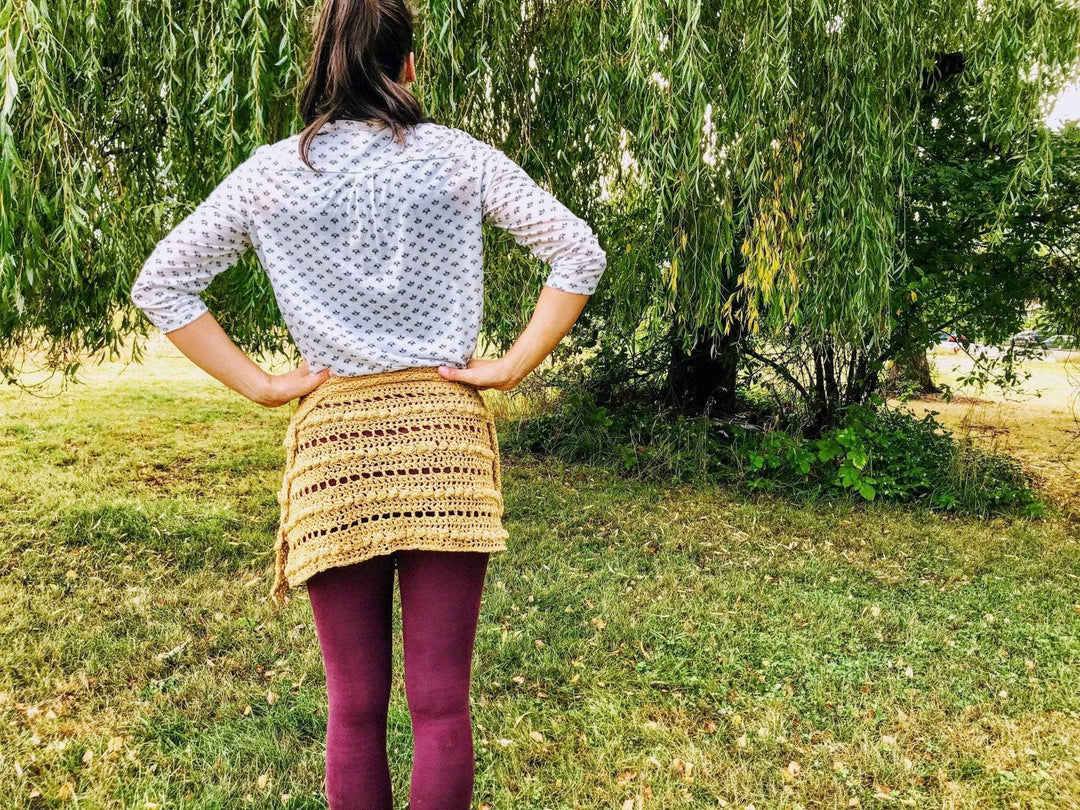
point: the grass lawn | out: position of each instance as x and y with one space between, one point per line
640 646
1039 424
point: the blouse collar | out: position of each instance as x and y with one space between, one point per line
354 123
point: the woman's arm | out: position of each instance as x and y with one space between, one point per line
206 344
167 289
556 311
513 201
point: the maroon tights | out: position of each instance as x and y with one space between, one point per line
440 606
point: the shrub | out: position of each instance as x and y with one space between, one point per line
875 452
880 452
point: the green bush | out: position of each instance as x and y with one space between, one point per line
875 452
879 452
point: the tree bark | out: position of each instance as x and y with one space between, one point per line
917 370
703 381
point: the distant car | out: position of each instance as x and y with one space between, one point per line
1029 337
951 337
1060 342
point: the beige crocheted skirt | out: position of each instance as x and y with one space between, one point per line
402 459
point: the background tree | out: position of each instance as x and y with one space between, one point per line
973 266
970 273
743 161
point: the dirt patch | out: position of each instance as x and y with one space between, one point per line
956 400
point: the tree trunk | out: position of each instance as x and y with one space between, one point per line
703 380
915 369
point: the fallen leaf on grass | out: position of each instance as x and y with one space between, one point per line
882 794
169 654
685 769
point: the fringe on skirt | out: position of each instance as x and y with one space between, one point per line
401 459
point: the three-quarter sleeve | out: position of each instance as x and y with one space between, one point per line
513 201
208 241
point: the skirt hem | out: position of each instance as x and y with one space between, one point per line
302 575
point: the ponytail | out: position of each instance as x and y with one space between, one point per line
360 50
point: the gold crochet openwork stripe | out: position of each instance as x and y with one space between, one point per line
402 459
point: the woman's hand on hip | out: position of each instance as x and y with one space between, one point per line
555 312
292 384
498 374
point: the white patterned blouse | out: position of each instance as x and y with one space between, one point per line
375 259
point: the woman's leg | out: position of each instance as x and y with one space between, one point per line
440 606
352 606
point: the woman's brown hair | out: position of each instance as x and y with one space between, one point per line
360 50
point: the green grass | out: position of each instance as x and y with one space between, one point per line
640 646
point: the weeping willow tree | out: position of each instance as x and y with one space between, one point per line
742 161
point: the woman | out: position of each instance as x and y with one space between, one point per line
368 225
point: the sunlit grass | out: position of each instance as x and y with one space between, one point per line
640 646
1038 424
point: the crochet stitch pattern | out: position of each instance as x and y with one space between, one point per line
401 459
